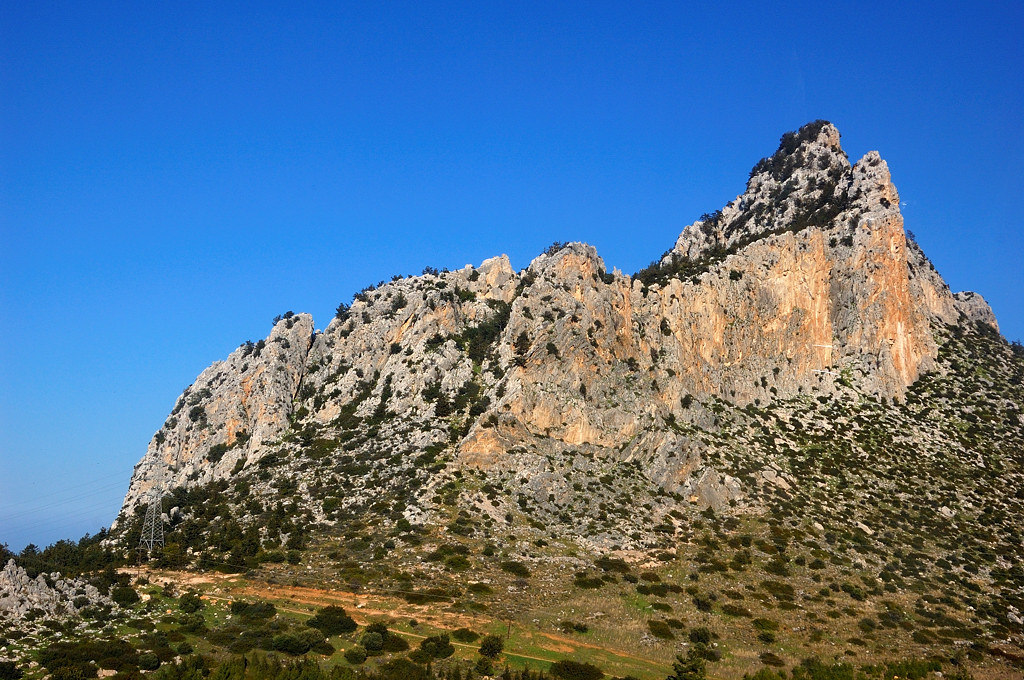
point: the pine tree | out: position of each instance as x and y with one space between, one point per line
690 668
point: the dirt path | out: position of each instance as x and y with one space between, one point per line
570 641
359 616
361 604
364 607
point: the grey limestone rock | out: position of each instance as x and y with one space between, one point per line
49 593
805 284
975 309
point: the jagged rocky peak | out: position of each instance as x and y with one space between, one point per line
581 258
806 181
230 413
974 308
805 284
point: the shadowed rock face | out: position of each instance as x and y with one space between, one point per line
804 283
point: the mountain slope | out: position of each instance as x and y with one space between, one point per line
808 271
791 391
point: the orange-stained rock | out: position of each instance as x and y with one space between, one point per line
804 283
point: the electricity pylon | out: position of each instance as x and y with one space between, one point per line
153 526
152 535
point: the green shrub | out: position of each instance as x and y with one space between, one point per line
465 635
421 657
8 671
856 592
255 611
124 596
217 452
190 603
735 610
522 346
587 582
437 646
332 620
656 589
355 656
923 637
516 569
78 671
700 636
811 669
148 661
373 642
690 667
291 643
781 591
612 564
491 646
767 674
75 659
575 670
394 643
702 603
660 629
912 669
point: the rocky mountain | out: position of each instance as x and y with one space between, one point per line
804 284
792 374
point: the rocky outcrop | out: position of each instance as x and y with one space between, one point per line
805 284
49 593
232 412
819 249
975 309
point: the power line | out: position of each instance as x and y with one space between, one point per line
66 488
26 510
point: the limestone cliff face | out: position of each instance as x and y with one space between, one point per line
235 409
829 283
803 284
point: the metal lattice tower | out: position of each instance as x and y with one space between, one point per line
153 526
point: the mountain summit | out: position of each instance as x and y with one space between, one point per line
806 284
790 392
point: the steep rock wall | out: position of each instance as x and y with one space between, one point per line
805 282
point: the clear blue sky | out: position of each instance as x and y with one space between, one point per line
173 176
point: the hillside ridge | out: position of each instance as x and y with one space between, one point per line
788 415
805 276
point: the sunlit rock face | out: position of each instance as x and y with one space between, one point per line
804 284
